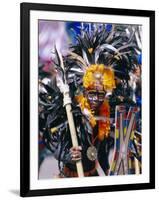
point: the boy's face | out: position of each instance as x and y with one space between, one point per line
95 99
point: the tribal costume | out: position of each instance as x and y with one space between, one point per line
98 70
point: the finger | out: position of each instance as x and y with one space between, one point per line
77 154
79 148
76 159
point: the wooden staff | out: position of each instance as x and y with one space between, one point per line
64 88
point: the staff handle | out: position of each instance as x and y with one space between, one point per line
68 107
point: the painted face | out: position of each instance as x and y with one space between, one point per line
95 99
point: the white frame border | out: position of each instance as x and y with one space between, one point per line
91 181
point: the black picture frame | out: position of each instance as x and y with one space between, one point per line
25 9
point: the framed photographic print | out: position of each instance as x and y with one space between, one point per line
87 99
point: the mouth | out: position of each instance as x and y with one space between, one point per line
94 106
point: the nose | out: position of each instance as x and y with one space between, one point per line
95 98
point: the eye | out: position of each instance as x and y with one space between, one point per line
90 95
101 95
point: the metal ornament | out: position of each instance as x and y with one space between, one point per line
92 153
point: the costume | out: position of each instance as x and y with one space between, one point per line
97 70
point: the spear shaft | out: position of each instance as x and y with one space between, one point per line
67 103
74 138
